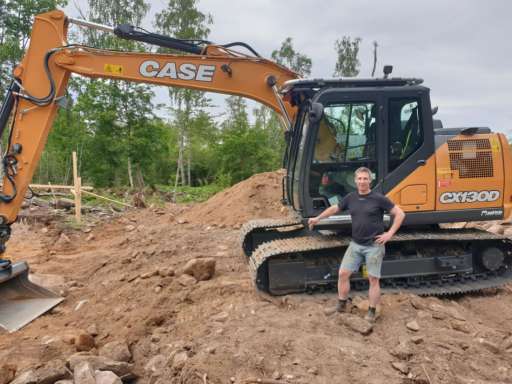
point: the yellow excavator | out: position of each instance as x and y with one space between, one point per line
332 127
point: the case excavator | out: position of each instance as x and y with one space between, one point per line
332 127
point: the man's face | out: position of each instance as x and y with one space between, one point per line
362 180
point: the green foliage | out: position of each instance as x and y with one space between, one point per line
16 18
287 56
347 50
243 149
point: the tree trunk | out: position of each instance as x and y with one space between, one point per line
130 177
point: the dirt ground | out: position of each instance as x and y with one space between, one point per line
122 281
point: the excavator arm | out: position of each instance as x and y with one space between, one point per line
40 80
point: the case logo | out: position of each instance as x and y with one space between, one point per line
185 71
469 197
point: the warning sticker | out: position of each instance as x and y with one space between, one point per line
113 69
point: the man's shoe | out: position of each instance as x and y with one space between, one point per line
341 306
5 264
370 317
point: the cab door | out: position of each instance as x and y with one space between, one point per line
408 150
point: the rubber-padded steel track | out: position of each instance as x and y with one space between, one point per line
307 247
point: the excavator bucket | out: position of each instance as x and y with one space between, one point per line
21 301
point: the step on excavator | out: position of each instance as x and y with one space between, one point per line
332 127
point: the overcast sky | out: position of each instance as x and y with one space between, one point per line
462 49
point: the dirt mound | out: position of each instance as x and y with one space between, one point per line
123 284
258 197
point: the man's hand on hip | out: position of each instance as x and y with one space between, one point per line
383 238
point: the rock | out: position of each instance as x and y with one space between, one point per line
401 367
460 326
494 348
276 375
84 342
51 372
129 228
356 323
417 339
413 326
507 343
313 371
220 317
448 311
27 377
147 275
201 269
7 373
107 377
179 359
166 272
62 241
417 302
116 350
102 363
182 221
83 373
90 237
402 351
187 280
92 330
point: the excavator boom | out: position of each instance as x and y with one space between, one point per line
40 81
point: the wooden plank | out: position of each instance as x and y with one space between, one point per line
55 186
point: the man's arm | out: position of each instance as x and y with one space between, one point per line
332 210
398 218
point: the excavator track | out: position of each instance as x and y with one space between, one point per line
256 232
429 263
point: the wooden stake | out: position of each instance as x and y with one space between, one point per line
77 190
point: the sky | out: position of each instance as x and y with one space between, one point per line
462 49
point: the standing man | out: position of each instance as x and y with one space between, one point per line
366 209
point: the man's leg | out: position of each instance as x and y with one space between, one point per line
350 263
374 292
344 283
374 256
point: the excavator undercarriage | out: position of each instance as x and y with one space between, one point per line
284 258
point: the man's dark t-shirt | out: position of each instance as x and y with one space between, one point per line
367 215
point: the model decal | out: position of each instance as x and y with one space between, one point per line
469 197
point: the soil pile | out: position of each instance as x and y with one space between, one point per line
258 197
130 310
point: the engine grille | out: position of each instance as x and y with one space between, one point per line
472 158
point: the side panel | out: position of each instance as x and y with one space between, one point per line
507 172
470 173
417 191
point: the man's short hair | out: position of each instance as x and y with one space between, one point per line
363 170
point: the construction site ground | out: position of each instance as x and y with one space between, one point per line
123 282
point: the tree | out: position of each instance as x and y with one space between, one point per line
181 19
115 110
347 50
287 56
16 19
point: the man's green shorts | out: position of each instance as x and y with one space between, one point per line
372 255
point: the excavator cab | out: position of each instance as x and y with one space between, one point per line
382 124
